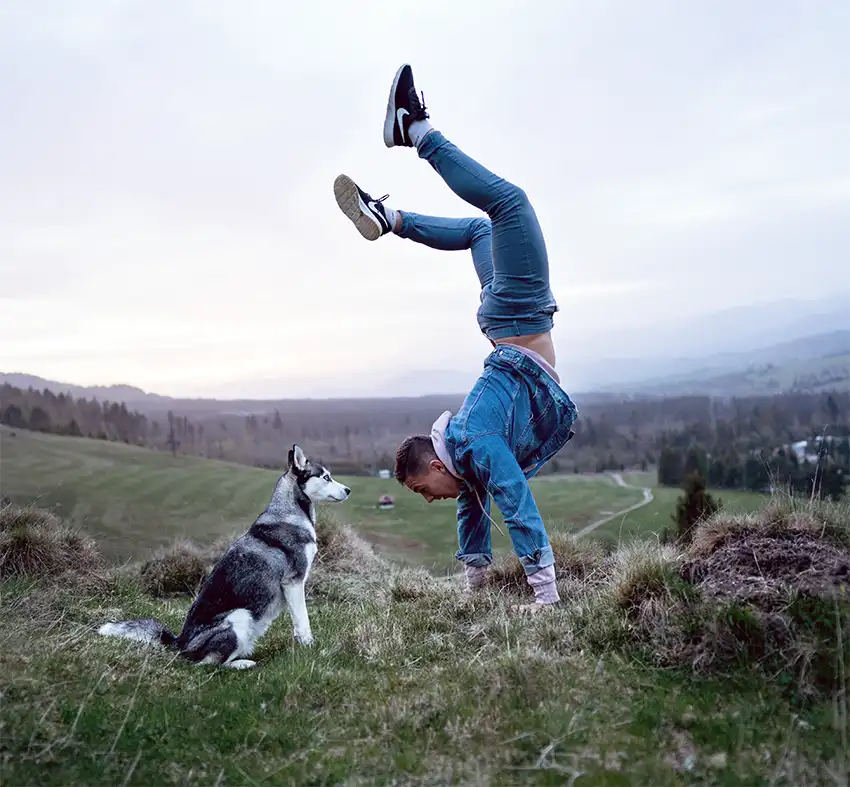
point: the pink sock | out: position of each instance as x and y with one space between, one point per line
543 583
475 576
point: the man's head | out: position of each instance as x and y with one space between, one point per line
418 468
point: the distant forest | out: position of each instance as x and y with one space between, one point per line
734 443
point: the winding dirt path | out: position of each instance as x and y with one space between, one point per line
618 479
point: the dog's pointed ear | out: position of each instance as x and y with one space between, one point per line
297 458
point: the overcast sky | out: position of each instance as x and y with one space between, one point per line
166 168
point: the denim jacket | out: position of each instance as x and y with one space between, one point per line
514 420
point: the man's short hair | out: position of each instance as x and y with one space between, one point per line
413 457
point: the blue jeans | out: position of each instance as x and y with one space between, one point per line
508 249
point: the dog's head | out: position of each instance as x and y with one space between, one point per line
315 480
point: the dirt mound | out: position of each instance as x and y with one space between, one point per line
762 569
771 591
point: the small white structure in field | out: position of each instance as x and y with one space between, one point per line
386 501
384 474
799 448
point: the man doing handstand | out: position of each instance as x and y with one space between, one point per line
517 416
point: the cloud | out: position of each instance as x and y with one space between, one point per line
167 169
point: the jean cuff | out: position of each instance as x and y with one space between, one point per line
429 143
537 560
406 225
543 584
475 559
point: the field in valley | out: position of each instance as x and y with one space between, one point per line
133 500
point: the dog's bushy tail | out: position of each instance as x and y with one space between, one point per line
144 630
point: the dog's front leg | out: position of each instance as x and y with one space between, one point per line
298 611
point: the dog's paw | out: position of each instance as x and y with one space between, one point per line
241 664
306 640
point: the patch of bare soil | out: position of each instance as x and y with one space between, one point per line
769 595
761 569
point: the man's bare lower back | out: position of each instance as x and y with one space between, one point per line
541 343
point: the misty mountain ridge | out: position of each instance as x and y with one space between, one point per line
704 354
818 358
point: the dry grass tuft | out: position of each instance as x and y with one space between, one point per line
340 549
765 591
773 589
577 559
412 584
783 517
643 573
37 543
346 567
179 568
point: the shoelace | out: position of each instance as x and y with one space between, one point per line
418 107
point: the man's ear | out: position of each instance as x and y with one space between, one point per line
437 466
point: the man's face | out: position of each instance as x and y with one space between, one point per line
436 484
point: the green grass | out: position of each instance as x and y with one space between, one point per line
654 517
411 681
423 690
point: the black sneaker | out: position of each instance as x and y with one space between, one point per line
367 213
403 108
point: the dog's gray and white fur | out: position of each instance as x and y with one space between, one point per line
261 570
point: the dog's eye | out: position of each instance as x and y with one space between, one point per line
327 476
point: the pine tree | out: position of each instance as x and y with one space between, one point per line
693 507
39 420
172 441
13 416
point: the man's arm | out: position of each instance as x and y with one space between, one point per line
489 460
473 533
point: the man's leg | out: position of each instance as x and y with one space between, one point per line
519 300
374 218
452 235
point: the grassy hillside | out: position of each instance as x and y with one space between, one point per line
134 500
652 672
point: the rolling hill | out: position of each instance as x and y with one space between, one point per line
134 500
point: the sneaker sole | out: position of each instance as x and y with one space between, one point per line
348 198
390 119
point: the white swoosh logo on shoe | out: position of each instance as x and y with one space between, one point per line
400 117
373 206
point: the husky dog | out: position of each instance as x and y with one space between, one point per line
246 590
